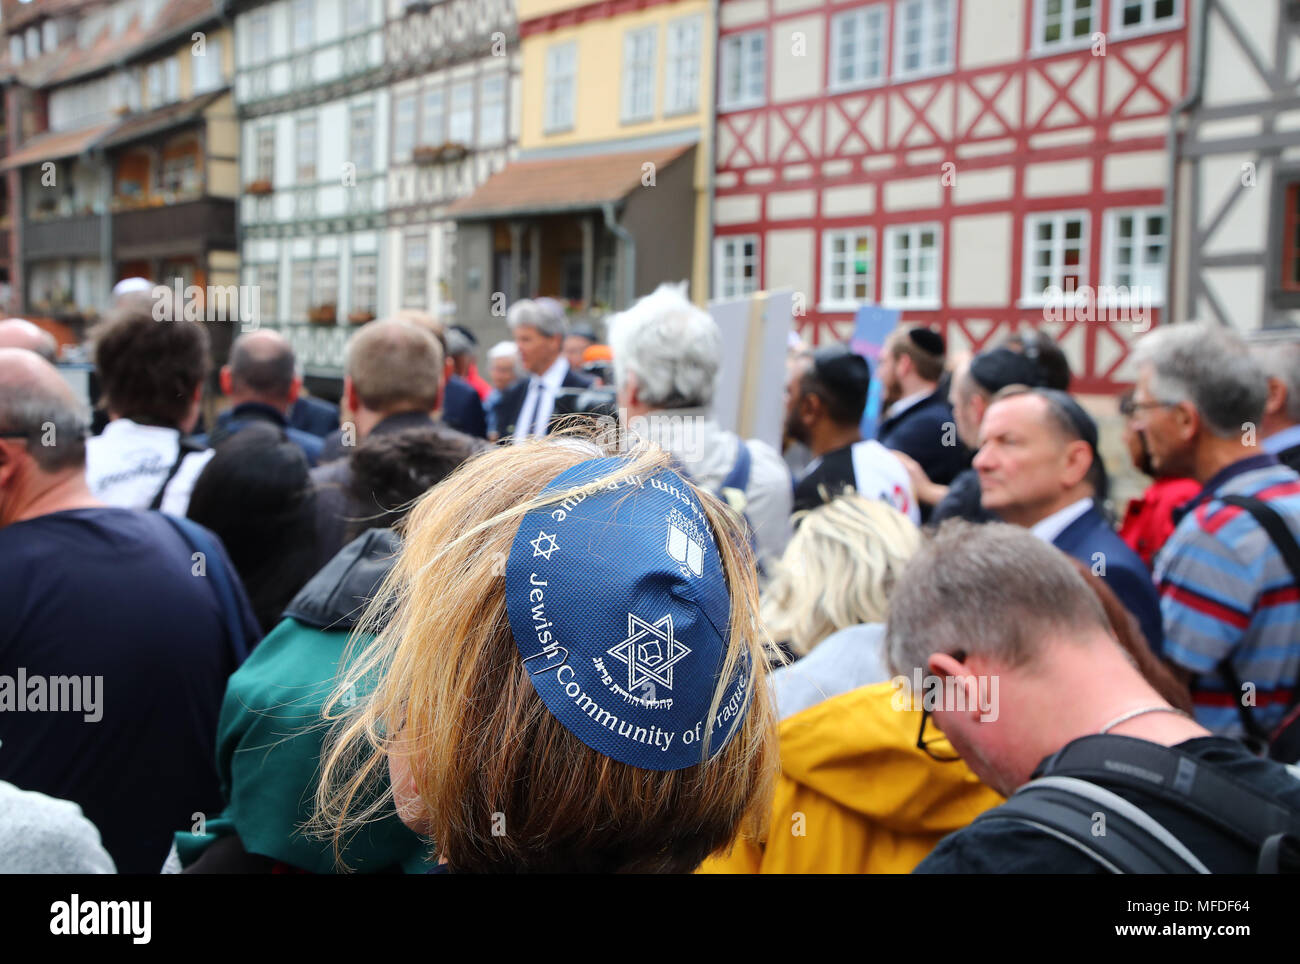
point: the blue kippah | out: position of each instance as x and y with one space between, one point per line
620 610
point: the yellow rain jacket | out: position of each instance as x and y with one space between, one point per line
855 795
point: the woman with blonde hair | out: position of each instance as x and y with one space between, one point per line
829 598
855 794
568 672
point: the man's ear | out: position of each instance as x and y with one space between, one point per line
226 380
1276 396
1188 421
295 388
943 665
350 394
1078 460
10 456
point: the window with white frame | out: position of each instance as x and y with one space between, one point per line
208 72
34 42
735 265
304 150
682 66
325 282
356 15
848 267
303 27
858 47
923 38
415 270
1056 254
639 73
460 126
433 117
403 127
267 279
743 69
16 49
492 110
365 283
912 266
1063 23
1141 15
50 35
561 86
259 36
300 289
1136 252
361 137
264 152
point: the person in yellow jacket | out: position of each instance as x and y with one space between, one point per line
855 794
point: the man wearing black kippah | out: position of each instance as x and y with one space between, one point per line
825 399
917 417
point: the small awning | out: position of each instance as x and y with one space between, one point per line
162 119
54 147
557 186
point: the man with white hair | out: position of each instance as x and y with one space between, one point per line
666 357
1227 581
526 410
1280 428
503 371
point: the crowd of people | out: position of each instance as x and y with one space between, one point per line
454 624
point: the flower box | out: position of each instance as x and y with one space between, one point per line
323 314
360 317
259 187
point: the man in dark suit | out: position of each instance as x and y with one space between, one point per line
462 409
1039 468
917 418
314 416
262 384
527 408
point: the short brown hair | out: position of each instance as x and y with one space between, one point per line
928 366
454 700
395 365
149 369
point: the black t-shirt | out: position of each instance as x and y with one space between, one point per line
963 501
834 473
112 593
1005 847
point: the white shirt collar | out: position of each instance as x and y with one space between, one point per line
1050 528
553 377
124 426
908 401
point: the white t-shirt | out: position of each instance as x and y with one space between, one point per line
127 463
878 474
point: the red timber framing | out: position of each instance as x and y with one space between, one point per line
978 119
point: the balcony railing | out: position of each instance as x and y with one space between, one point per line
72 237
199 224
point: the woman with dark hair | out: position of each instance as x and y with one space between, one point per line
256 494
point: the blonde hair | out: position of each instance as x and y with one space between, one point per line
454 702
838 570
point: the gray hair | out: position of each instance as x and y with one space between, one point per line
1208 366
673 348
993 589
53 423
1280 359
263 365
503 349
535 314
458 344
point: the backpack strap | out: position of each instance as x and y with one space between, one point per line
184 447
1131 840
1182 781
200 540
1280 533
738 477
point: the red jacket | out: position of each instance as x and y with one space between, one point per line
1149 520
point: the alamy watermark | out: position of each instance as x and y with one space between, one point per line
947 693
22 693
234 303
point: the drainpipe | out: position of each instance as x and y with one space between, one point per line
629 249
1193 98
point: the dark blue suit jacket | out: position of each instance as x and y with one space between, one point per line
314 416
462 408
920 432
513 398
230 422
1125 574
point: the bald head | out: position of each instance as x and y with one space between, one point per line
261 369
20 333
38 406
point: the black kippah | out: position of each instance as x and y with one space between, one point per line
842 370
997 368
929 341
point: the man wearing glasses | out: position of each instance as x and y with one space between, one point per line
985 602
1229 598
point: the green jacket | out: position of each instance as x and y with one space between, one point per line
270 733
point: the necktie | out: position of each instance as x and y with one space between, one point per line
539 414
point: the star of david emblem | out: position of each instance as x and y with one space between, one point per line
541 547
650 651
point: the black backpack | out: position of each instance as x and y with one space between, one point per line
1283 742
1069 800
